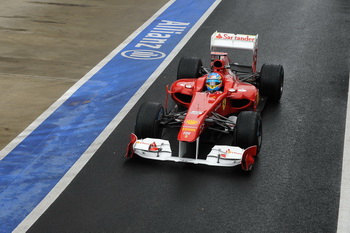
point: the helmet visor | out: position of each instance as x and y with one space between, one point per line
212 84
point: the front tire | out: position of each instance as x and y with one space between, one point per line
148 120
249 130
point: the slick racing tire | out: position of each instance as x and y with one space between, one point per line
147 120
248 130
271 81
189 67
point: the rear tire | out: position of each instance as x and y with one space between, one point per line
271 81
248 130
189 67
147 120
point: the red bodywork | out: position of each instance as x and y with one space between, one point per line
236 96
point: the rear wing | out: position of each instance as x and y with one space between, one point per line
233 41
221 40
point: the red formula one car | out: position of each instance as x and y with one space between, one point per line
225 99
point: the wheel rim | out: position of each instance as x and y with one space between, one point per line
259 134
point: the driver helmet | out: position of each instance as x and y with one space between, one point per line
214 82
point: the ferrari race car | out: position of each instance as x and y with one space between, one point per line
225 99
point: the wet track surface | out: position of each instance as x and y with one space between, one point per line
295 184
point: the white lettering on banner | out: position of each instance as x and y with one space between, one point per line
155 39
142 54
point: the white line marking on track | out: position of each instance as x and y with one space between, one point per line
344 202
80 163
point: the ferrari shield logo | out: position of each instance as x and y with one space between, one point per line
223 104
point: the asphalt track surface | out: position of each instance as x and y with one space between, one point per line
295 185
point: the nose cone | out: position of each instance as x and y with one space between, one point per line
189 132
203 103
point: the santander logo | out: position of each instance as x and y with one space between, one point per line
224 36
231 37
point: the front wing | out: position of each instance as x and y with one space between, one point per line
222 156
